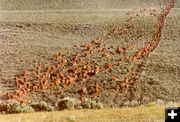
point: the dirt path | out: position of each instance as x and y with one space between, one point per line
163 64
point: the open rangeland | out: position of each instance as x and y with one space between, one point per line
137 114
117 57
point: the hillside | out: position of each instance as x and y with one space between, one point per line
119 57
78 5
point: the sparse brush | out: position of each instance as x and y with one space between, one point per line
66 104
90 104
132 103
15 107
41 106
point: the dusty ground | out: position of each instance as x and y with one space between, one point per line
30 38
163 64
34 39
70 4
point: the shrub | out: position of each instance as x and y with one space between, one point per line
126 103
71 118
41 106
160 102
66 104
92 105
132 103
15 107
99 106
78 107
86 105
151 104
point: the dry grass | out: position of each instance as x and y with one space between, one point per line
152 113
137 114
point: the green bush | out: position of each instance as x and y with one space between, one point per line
152 104
132 103
86 105
66 104
160 102
126 104
15 107
71 118
99 106
92 105
41 106
78 107
70 104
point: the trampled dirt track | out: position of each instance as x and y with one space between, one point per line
32 38
163 64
